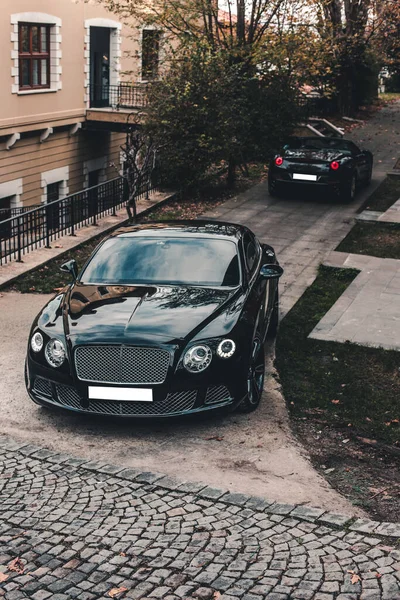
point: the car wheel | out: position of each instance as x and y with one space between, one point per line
349 189
369 176
274 320
255 378
273 187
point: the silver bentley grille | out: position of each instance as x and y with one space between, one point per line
122 364
217 393
173 403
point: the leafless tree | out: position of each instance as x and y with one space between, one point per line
139 157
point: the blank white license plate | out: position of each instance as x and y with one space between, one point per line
304 177
122 394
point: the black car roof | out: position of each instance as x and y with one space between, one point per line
187 228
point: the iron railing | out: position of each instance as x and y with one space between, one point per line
7 213
123 95
39 227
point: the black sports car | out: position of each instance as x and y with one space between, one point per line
331 163
164 319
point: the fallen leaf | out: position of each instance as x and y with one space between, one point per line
355 579
114 592
335 401
58 246
218 438
216 595
16 565
3 577
345 441
378 575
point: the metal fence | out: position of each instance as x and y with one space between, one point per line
123 95
317 107
39 227
7 213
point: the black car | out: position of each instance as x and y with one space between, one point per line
164 319
327 163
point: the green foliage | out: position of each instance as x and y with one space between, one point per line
215 107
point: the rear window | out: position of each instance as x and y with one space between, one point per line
320 144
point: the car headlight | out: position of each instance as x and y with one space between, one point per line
37 342
197 358
55 353
226 348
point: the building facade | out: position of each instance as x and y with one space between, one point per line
66 85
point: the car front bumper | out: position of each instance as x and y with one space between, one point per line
176 397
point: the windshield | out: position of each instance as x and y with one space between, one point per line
185 261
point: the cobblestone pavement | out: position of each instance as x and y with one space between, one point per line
75 529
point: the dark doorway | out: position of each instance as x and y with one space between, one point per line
53 211
99 67
5 213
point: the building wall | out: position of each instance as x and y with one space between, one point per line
42 132
30 159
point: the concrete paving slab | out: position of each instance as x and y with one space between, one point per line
368 312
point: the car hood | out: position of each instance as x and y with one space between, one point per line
307 155
122 314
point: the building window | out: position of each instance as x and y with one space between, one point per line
150 53
34 55
53 191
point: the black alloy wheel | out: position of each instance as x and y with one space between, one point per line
273 187
255 378
349 189
369 175
274 320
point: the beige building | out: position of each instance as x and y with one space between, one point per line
66 92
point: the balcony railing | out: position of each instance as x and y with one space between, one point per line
123 95
39 227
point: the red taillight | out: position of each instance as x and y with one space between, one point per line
335 165
278 161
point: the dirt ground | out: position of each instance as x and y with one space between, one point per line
363 470
255 454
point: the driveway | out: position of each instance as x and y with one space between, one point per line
254 454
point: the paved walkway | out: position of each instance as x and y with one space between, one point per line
304 230
74 529
368 312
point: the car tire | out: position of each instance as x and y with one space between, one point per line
274 320
369 176
273 187
349 189
255 378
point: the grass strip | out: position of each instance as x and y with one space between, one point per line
385 195
339 385
373 239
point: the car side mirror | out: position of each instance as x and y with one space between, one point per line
70 267
271 271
